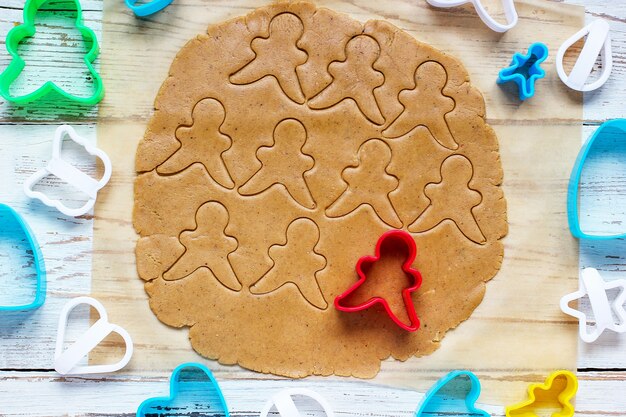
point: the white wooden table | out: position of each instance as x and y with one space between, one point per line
28 385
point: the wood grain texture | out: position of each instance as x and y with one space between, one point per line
26 342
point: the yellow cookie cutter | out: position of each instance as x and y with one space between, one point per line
551 393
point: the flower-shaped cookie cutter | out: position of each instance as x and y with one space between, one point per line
605 130
284 404
406 240
554 396
196 386
508 6
436 402
595 288
524 70
147 9
598 42
27 30
7 214
71 175
66 362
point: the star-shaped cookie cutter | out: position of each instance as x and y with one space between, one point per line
595 287
71 175
364 262
525 70
27 30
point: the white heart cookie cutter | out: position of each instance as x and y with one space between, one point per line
509 12
66 361
595 287
71 175
598 42
284 404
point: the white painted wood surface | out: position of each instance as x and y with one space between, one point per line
28 386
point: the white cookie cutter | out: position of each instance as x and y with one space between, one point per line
595 287
66 361
509 12
283 402
598 42
71 175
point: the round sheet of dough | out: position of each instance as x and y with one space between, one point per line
283 145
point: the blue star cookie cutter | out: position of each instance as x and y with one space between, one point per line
456 394
193 391
525 70
607 131
15 229
147 9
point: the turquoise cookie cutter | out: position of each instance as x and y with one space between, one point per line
147 9
27 30
193 391
574 180
8 215
525 70
455 394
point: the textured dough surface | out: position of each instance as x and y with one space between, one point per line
283 144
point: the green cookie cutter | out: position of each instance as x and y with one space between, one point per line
27 30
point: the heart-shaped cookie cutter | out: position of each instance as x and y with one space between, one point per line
595 288
597 43
66 361
38 262
284 404
147 9
71 175
508 6
407 241
431 405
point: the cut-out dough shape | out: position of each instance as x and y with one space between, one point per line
425 105
557 392
66 172
66 362
445 204
193 391
369 183
355 78
277 56
282 162
593 286
202 142
296 262
208 246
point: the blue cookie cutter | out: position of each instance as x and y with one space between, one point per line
8 215
574 181
525 70
193 391
147 9
455 393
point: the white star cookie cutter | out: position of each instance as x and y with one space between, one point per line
284 404
595 288
508 6
66 362
68 173
597 43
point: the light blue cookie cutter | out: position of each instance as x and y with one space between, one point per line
525 70
162 404
40 269
147 9
574 181
435 403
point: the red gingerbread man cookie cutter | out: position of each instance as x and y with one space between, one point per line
363 264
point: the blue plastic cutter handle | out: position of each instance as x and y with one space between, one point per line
40 268
147 9
574 182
